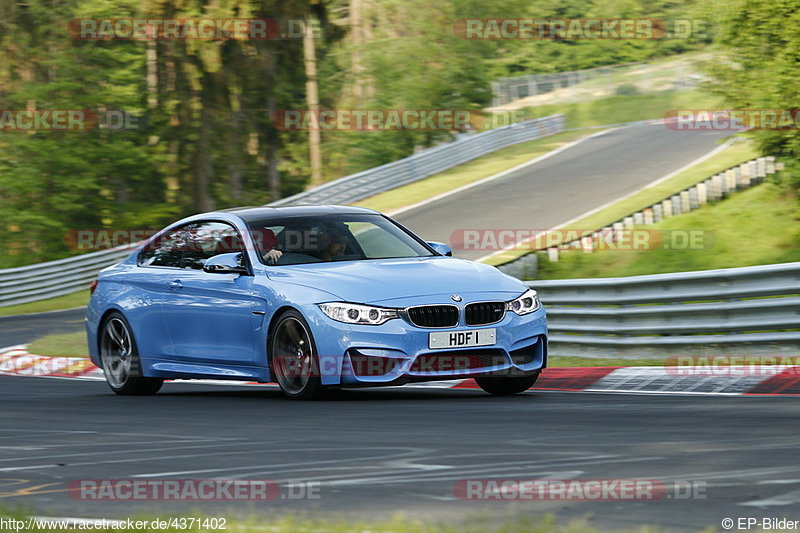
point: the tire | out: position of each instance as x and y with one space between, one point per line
120 357
508 385
292 357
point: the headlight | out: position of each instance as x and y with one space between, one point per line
527 303
358 314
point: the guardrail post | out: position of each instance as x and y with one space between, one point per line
752 170
627 222
769 165
685 204
744 172
676 205
761 167
723 185
658 212
552 255
702 193
694 202
666 208
648 215
638 219
730 180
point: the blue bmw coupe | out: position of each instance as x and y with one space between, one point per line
312 298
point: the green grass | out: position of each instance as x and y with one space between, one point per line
734 154
76 299
757 226
61 345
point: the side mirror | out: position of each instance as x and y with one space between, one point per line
230 263
440 248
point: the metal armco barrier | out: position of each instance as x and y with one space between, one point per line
733 311
55 278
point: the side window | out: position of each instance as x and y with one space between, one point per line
190 245
207 239
166 250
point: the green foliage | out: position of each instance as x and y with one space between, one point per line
762 38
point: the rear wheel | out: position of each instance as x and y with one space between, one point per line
121 364
506 386
293 360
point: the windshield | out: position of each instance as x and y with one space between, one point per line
326 238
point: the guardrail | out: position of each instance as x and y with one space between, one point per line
56 278
736 311
426 162
510 89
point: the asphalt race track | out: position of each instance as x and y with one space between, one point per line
564 186
378 452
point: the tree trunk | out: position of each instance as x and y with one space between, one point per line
201 167
312 99
273 176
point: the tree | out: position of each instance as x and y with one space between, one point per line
762 67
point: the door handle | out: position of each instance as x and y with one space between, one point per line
175 284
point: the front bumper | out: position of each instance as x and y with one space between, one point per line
397 351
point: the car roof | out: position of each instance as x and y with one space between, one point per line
260 212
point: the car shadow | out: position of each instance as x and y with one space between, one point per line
341 395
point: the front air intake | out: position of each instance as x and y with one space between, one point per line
482 313
433 316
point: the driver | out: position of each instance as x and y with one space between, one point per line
269 252
332 244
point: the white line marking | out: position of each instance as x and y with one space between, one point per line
493 177
409 451
687 166
788 498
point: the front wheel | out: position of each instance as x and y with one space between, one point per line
293 360
507 385
120 357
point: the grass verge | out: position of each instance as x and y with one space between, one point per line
757 226
734 154
61 345
68 301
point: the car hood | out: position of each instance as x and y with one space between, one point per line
392 281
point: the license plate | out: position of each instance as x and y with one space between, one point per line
461 339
